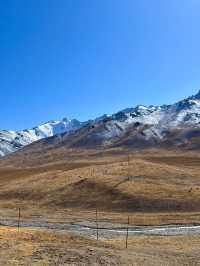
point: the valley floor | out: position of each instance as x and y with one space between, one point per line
38 247
152 188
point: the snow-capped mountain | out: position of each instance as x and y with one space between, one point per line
11 141
141 126
157 119
134 127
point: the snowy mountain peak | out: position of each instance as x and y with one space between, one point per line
146 122
195 97
11 141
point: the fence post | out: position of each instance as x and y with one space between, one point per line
19 218
97 225
127 232
129 176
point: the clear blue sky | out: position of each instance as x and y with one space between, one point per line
83 58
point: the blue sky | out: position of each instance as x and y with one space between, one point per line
83 58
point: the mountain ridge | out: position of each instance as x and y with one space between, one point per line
140 125
11 141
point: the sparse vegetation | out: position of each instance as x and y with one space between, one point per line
156 184
162 188
37 247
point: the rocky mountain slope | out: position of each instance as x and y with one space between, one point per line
11 141
143 126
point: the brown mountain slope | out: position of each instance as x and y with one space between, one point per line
155 181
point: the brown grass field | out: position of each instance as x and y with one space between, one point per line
155 187
37 247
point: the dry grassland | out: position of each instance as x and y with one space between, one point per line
154 188
34 247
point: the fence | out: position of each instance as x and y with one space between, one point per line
92 223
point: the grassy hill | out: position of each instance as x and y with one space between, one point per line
154 182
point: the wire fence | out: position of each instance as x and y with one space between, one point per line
96 225
92 223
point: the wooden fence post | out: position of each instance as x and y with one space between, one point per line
129 172
19 218
97 225
127 232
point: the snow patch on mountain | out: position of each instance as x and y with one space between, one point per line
158 119
11 141
152 122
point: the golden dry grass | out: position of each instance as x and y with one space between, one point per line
163 187
37 247
157 251
33 247
157 187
